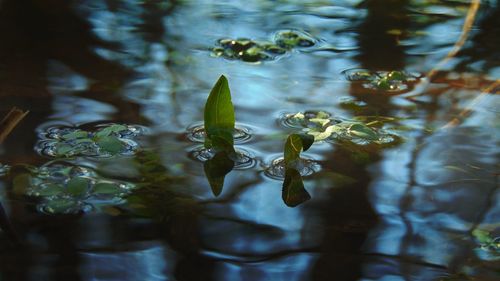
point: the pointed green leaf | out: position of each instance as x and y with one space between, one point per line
295 144
219 116
216 170
77 186
294 192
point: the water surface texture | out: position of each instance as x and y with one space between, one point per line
104 179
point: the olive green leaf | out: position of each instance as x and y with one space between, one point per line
216 170
110 144
77 186
219 117
296 143
294 192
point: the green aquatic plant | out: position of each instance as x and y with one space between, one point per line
322 126
104 141
294 192
289 39
63 188
219 120
383 80
489 246
257 51
246 50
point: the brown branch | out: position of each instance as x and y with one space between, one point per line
464 113
10 121
466 28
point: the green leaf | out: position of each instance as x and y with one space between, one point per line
110 144
216 170
21 183
482 236
77 186
397 76
294 192
295 143
60 205
113 129
78 134
362 131
219 116
63 149
106 188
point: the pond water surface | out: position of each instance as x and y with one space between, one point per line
413 195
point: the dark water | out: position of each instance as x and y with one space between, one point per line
407 207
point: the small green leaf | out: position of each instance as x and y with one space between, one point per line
216 170
296 143
383 84
396 76
78 134
482 236
60 206
77 186
362 131
219 116
294 192
110 144
108 131
63 149
106 188
21 183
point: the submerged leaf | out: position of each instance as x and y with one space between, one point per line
219 116
216 170
294 192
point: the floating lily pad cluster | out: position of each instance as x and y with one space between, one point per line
489 246
62 188
104 140
323 126
383 80
255 51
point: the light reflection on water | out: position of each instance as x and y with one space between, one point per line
408 212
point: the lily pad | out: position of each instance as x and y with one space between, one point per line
293 38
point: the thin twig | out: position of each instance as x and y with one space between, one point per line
466 28
10 121
464 113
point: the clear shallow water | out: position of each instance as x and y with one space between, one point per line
402 211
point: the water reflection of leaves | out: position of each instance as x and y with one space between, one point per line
294 192
216 170
63 188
